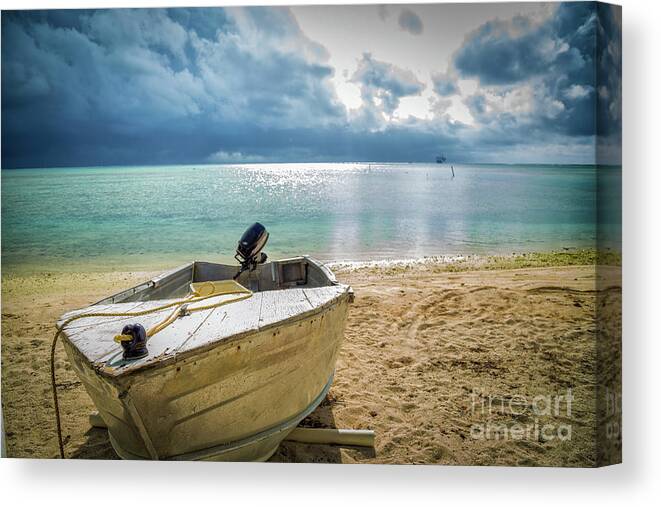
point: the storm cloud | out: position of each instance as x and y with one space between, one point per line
199 85
106 85
541 78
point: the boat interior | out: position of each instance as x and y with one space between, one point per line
297 272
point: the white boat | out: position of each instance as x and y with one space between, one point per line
225 383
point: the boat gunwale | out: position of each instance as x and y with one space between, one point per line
159 362
159 279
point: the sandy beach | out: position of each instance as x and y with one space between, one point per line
448 363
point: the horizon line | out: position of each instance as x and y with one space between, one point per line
208 164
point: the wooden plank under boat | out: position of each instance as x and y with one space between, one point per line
228 383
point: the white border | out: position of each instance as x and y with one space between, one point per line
637 481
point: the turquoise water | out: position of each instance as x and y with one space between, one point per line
148 217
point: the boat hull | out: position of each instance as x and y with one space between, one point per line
235 401
259 447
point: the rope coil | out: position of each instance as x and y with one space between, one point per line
201 292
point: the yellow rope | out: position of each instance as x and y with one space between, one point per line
180 304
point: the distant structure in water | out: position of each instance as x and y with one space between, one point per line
440 159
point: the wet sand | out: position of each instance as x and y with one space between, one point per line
467 366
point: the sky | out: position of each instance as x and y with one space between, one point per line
499 82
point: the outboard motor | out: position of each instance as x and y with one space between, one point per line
249 251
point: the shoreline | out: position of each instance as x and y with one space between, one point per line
451 262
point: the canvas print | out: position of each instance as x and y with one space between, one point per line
313 234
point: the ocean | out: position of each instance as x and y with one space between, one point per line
103 218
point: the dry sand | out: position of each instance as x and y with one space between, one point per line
425 352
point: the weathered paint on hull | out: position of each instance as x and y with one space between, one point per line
259 447
250 391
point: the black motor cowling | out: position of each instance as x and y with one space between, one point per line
136 347
249 250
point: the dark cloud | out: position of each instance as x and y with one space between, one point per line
542 77
496 54
410 22
206 23
159 86
79 83
609 70
508 52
